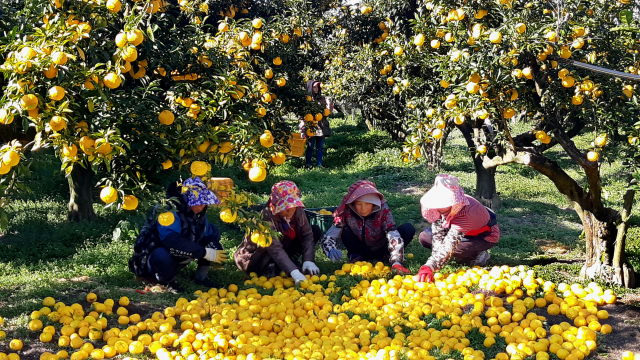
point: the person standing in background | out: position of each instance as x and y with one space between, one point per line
322 130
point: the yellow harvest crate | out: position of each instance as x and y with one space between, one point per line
220 186
297 144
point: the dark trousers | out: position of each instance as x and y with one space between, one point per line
466 251
355 246
164 267
293 249
318 143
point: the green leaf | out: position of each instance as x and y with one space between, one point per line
626 17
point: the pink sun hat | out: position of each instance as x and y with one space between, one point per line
284 195
446 192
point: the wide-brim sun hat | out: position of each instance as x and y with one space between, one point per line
196 193
284 195
446 192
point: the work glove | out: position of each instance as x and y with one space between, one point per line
399 269
425 274
297 276
310 267
335 255
216 256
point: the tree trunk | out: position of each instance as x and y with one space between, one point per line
485 178
12 132
367 119
81 194
486 185
604 230
605 258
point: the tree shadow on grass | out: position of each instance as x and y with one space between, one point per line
39 231
532 230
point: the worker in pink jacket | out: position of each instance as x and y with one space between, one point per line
461 227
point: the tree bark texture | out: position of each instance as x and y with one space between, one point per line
485 177
604 228
12 132
81 194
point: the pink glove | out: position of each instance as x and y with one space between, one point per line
398 268
425 274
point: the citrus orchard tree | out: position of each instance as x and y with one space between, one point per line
371 61
126 89
484 66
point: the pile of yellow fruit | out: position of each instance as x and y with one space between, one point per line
324 212
341 316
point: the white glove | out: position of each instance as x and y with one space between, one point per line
213 255
310 267
297 276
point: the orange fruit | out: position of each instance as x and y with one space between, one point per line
51 72
166 218
279 158
135 36
57 123
495 37
509 113
87 145
568 81
59 58
199 168
121 39
108 194
69 151
28 102
257 174
166 117
114 5
130 202
16 345
266 139
228 216
112 80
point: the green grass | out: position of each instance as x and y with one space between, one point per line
44 255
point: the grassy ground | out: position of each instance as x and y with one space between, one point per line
44 255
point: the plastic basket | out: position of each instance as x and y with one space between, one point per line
297 144
221 187
323 221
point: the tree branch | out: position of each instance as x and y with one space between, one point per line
527 139
508 158
563 182
568 145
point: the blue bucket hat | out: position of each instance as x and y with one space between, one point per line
197 193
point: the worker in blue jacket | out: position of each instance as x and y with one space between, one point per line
166 246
